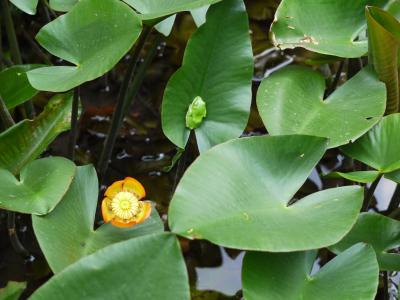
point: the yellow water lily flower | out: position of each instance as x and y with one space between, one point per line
122 205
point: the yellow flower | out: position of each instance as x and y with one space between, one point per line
122 205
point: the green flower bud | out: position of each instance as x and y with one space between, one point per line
196 113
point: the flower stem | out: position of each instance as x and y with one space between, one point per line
74 125
395 201
14 49
370 194
125 96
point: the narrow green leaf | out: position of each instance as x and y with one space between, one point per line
41 185
288 104
93 36
379 148
26 140
12 291
143 268
383 47
239 195
67 234
328 27
27 6
281 276
379 231
14 85
357 176
218 67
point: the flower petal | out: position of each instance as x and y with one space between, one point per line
117 223
114 189
144 213
134 186
107 213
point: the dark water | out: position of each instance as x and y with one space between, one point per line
143 152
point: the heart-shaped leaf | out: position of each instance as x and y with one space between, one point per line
383 49
239 195
26 140
143 268
381 232
41 185
379 148
14 85
288 104
27 6
357 176
314 25
281 276
67 234
218 67
94 36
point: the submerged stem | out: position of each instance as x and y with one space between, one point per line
127 92
74 125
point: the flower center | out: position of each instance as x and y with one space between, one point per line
125 205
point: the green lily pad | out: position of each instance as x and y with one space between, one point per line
67 234
62 5
41 185
218 67
26 140
379 148
27 6
357 176
280 276
12 291
381 232
313 25
14 85
394 176
289 104
143 268
94 35
239 194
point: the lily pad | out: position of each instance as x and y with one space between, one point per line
27 6
313 25
67 234
240 195
26 140
12 291
218 67
41 185
380 232
357 176
14 85
379 148
280 276
94 35
289 104
143 268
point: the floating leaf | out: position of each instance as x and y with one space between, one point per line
239 194
12 291
67 234
383 46
280 276
26 140
288 104
27 6
357 176
217 67
380 232
62 5
379 148
93 36
147 267
41 185
313 25
14 85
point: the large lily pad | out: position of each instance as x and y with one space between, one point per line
280 276
143 268
14 85
218 67
314 25
12 291
93 36
68 234
41 185
26 140
239 194
381 232
27 6
290 101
